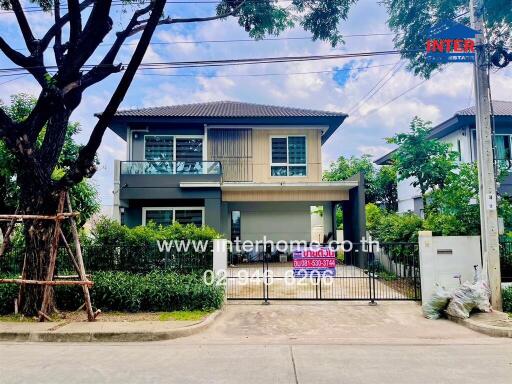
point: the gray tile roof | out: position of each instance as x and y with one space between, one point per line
224 109
500 108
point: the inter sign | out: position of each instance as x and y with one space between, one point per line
450 42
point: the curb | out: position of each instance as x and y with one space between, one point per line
489 330
79 337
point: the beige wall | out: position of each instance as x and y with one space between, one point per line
261 155
255 195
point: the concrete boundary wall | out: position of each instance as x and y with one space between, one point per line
447 261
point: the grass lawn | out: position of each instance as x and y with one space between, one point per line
184 315
116 316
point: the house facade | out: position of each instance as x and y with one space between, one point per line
460 132
247 170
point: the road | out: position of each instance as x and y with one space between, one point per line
280 343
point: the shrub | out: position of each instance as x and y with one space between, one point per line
507 299
392 227
8 292
155 291
128 292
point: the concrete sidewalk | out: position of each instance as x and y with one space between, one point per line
496 324
102 331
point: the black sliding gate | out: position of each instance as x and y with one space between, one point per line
387 272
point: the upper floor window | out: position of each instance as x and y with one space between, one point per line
173 154
159 148
288 157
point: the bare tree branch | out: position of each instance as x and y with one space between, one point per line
57 46
55 28
169 20
34 65
97 27
106 67
75 21
26 31
84 165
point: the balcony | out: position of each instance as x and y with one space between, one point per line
166 168
163 179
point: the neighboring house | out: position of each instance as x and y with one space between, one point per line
460 132
247 170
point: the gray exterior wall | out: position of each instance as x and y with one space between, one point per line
276 221
137 143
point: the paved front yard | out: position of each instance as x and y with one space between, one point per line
246 281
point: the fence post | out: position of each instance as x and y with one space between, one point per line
427 264
220 256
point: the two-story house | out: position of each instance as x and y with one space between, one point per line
460 132
247 170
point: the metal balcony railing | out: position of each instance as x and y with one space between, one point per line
159 167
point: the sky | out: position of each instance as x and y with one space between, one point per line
332 85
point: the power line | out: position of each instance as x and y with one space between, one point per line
371 92
228 62
394 99
32 9
269 74
238 40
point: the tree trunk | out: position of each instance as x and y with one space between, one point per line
38 236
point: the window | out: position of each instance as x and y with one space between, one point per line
236 227
459 150
288 156
159 217
189 155
173 148
502 143
159 148
166 216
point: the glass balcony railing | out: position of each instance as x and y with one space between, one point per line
171 168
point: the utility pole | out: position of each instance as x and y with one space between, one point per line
486 176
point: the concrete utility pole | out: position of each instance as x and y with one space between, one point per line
487 179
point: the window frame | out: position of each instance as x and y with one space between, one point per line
173 209
174 137
287 164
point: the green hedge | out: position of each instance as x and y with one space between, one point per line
507 299
127 292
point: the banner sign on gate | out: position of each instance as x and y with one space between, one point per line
314 262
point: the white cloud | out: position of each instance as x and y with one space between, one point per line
374 151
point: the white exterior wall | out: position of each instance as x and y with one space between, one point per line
407 193
447 261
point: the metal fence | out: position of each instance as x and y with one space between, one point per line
506 260
135 259
389 272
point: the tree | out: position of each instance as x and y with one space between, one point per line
83 195
427 162
455 209
386 187
344 168
412 20
76 36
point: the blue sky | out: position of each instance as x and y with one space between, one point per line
336 85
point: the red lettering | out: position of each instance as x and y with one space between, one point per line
448 43
469 45
437 46
457 45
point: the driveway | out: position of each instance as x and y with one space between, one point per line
332 323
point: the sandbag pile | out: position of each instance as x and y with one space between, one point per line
460 302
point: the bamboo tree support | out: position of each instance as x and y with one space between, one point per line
80 261
76 258
54 248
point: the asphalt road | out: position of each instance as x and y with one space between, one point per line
280 344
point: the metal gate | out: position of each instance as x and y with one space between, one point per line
387 272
